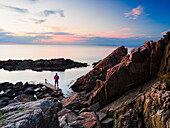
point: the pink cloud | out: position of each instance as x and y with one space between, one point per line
124 29
117 35
134 13
60 29
54 28
107 32
63 38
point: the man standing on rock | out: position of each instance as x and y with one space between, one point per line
56 77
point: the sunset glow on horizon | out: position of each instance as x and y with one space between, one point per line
99 22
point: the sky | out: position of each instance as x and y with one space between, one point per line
85 22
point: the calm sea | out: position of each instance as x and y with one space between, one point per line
88 54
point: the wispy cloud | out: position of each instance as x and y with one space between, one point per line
50 12
11 38
134 13
16 9
61 28
38 21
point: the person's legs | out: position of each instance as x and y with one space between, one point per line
55 84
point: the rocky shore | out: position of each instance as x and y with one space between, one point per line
19 92
122 91
28 106
41 65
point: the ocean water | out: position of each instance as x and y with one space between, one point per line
87 54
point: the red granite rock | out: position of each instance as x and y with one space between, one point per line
143 64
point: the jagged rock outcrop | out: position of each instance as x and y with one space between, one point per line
143 64
36 114
41 65
88 81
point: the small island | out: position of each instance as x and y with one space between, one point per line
60 64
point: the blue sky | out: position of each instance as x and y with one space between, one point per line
86 22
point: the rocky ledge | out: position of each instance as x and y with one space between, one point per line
41 65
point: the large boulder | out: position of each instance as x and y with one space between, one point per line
88 81
36 114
